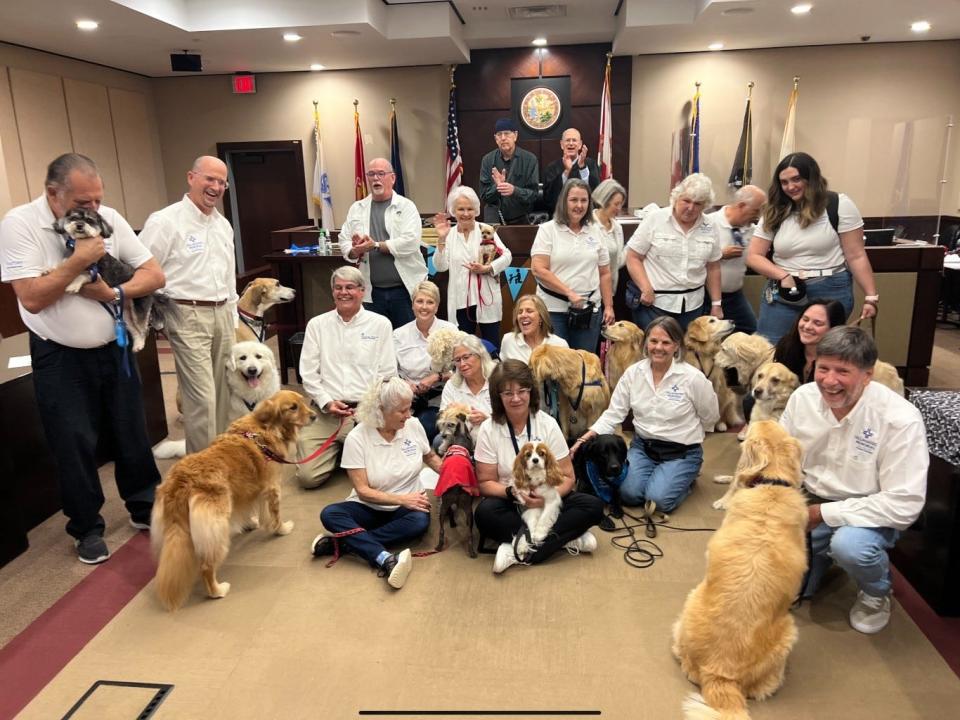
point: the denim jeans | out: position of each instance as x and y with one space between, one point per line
381 527
587 339
393 303
643 315
735 307
777 318
860 551
666 483
488 331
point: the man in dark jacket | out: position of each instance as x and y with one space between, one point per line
509 178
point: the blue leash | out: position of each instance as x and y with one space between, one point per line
120 329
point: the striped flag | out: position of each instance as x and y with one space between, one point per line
359 162
321 183
789 143
693 159
395 150
742 171
605 145
454 159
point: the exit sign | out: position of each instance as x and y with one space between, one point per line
244 84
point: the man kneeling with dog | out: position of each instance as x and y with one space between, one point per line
865 468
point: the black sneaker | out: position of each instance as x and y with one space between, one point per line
92 550
322 545
396 568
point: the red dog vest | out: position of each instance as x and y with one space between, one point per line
457 469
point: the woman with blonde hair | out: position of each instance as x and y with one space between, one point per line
383 456
531 328
473 286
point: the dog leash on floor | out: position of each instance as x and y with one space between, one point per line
271 455
640 553
336 543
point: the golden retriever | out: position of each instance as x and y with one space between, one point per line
738 359
257 297
578 374
702 340
208 494
626 348
886 374
735 631
773 384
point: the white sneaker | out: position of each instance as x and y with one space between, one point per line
505 558
586 543
397 575
870 614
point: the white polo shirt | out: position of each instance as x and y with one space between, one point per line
732 269
411 348
494 445
29 246
340 359
677 410
575 258
460 393
195 250
815 247
514 347
873 462
675 259
392 466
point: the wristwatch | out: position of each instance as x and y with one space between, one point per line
116 295
376 246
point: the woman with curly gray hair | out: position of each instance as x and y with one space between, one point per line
673 255
383 456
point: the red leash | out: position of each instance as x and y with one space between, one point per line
271 455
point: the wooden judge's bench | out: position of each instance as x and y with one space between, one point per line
908 280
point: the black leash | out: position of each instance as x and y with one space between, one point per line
640 553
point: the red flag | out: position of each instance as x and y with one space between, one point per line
605 145
454 160
359 163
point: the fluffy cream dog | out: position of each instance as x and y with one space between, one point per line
583 388
440 347
735 631
702 340
535 470
626 348
221 489
251 376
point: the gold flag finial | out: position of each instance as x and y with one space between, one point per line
356 104
697 83
796 81
315 103
393 103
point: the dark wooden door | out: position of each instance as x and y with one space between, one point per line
267 192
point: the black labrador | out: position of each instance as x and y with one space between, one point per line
607 454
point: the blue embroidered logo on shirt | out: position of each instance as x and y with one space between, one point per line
408 448
864 442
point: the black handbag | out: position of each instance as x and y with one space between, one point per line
579 318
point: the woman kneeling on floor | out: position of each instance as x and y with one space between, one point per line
671 402
383 456
515 420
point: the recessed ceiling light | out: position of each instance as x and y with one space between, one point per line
715 46
316 66
87 24
540 42
920 26
292 37
801 9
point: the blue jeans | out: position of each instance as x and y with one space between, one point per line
735 307
860 551
777 318
382 527
666 483
643 315
587 339
393 303
488 331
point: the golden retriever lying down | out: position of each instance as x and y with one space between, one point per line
702 340
735 631
223 488
626 348
568 368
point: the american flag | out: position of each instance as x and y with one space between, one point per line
454 160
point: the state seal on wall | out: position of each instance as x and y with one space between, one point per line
540 109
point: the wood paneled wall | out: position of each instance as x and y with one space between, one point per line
483 96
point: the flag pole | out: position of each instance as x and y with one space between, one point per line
316 116
943 178
749 144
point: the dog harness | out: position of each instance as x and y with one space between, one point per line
254 323
273 457
457 470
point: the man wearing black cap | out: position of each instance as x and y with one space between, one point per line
508 178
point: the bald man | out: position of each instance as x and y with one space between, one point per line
735 223
574 163
193 243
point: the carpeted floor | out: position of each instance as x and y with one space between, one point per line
297 640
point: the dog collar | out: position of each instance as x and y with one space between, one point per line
767 481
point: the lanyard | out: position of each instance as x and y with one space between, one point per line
120 329
513 435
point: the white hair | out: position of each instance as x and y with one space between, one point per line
384 393
348 273
696 188
463 191
474 345
605 191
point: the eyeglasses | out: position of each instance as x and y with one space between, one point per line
378 174
521 393
216 181
463 358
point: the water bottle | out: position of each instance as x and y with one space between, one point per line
323 242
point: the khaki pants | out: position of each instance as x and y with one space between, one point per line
201 339
315 473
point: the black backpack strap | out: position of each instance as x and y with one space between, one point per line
833 210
